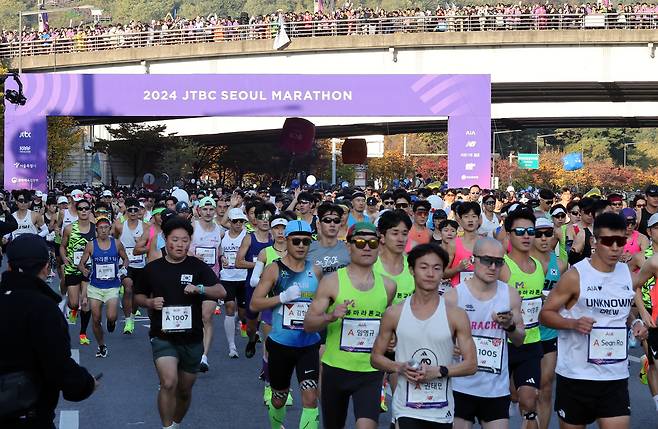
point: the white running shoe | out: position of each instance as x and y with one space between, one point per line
233 353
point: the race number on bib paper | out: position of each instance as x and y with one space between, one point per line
207 254
432 394
77 257
105 272
293 315
530 309
131 256
176 319
489 353
607 345
358 335
466 275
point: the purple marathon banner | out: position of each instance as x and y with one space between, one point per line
464 99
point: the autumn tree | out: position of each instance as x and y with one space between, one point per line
64 138
392 165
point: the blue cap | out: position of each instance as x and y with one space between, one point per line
298 227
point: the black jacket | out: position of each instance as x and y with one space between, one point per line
34 336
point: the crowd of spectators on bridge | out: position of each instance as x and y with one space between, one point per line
344 21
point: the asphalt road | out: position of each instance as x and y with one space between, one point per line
229 396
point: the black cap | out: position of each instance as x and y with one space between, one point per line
27 251
546 194
651 189
182 207
371 201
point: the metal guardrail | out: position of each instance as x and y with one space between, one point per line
81 42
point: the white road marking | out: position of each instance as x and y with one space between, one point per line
75 354
69 419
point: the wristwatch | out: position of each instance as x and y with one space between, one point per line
511 328
444 371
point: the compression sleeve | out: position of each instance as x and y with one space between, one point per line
255 275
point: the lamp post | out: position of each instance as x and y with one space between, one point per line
625 145
493 152
38 12
541 136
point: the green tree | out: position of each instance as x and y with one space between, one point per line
64 137
137 145
9 12
124 11
184 157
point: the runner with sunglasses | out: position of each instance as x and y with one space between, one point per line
589 307
74 239
233 278
129 232
651 193
490 222
247 257
287 287
494 311
267 256
328 252
28 221
646 301
542 250
350 304
205 245
564 232
526 274
424 397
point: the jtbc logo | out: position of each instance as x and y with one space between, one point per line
25 135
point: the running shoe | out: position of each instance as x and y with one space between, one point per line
382 398
84 341
250 350
289 400
218 311
233 353
203 367
129 328
137 312
258 340
267 395
101 352
644 363
73 317
243 330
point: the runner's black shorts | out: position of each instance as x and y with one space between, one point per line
581 402
549 346
74 279
235 292
469 407
409 423
339 385
283 360
136 275
525 364
652 342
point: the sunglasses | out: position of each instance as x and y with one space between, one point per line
575 213
520 232
608 241
329 220
545 233
488 260
84 209
297 241
132 210
631 222
560 215
264 217
361 243
237 221
20 200
402 206
548 201
303 202
616 204
389 202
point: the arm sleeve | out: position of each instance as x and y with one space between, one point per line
9 225
52 348
255 275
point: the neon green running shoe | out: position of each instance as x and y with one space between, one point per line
267 395
129 327
84 341
644 362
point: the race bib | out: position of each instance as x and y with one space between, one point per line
105 272
131 256
77 257
207 254
530 309
293 315
465 275
607 345
230 258
176 319
431 394
489 353
358 335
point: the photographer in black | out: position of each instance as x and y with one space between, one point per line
35 363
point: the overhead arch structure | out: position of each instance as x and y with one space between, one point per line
464 99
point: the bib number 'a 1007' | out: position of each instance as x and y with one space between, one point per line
176 319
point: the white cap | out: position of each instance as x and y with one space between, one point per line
38 194
542 222
510 188
236 213
558 211
279 221
106 193
62 200
435 201
652 220
77 195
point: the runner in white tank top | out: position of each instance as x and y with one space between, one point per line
206 240
426 327
494 312
25 224
590 306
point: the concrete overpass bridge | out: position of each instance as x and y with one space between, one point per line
540 78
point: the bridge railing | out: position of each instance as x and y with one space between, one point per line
82 42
